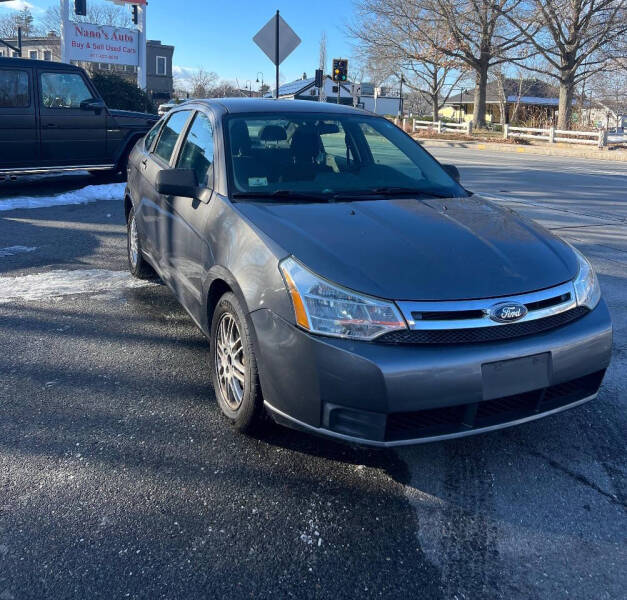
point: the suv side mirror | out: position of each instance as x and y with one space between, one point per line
453 171
95 104
177 182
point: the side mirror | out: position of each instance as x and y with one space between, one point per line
95 104
177 182
453 171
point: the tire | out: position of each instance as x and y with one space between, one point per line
137 264
234 367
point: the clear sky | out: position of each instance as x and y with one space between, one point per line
217 35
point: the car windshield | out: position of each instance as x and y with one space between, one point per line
314 157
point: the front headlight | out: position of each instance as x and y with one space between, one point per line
586 283
322 307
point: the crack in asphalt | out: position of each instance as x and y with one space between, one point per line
573 475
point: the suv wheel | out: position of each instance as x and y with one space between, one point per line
137 264
233 365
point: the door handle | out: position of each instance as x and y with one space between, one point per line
51 125
144 162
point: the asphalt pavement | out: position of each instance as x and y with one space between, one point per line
120 479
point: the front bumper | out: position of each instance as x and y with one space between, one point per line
388 395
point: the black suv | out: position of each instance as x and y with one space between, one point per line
52 118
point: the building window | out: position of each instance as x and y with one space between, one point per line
161 65
32 54
47 54
1 52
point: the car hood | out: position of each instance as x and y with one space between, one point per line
415 249
130 117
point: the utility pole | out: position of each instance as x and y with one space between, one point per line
65 25
400 102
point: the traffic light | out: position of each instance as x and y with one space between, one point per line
340 69
80 7
135 10
319 78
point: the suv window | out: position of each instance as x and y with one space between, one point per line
170 133
63 90
14 89
197 152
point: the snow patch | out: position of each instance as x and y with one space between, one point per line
90 193
54 284
13 250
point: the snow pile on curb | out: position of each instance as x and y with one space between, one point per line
91 193
54 284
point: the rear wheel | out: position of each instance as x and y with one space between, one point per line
137 264
234 366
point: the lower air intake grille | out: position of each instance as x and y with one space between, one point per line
465 417
482 334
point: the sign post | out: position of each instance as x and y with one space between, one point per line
141 46
102 43
277 40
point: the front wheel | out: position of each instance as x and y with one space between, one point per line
137 264
234 366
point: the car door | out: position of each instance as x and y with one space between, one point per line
71 133
182 222
149 206
19 133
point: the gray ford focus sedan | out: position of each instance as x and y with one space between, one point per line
349 285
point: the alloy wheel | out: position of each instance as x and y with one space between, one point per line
133 242
230 361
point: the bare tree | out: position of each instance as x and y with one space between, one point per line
203 83
23 19
473 33
609 90
398 47
508 87
103 13
574 37
224 89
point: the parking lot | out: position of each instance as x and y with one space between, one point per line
119 477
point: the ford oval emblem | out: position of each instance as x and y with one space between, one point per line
507 312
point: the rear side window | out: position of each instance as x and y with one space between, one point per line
150 136
14 89
63 90
170 133
197 152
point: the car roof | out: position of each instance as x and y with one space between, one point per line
268 105
42 64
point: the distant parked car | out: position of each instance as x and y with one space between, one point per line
168 106
164 108
349 285
52 118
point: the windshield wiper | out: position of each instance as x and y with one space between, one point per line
406 191
288 194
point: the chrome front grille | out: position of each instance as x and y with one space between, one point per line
469 321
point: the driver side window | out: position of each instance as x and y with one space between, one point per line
63 90
197 151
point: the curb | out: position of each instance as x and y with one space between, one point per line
558 150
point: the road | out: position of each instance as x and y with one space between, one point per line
119 479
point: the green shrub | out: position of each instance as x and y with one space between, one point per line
121 93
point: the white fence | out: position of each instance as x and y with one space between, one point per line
552 135
438 126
